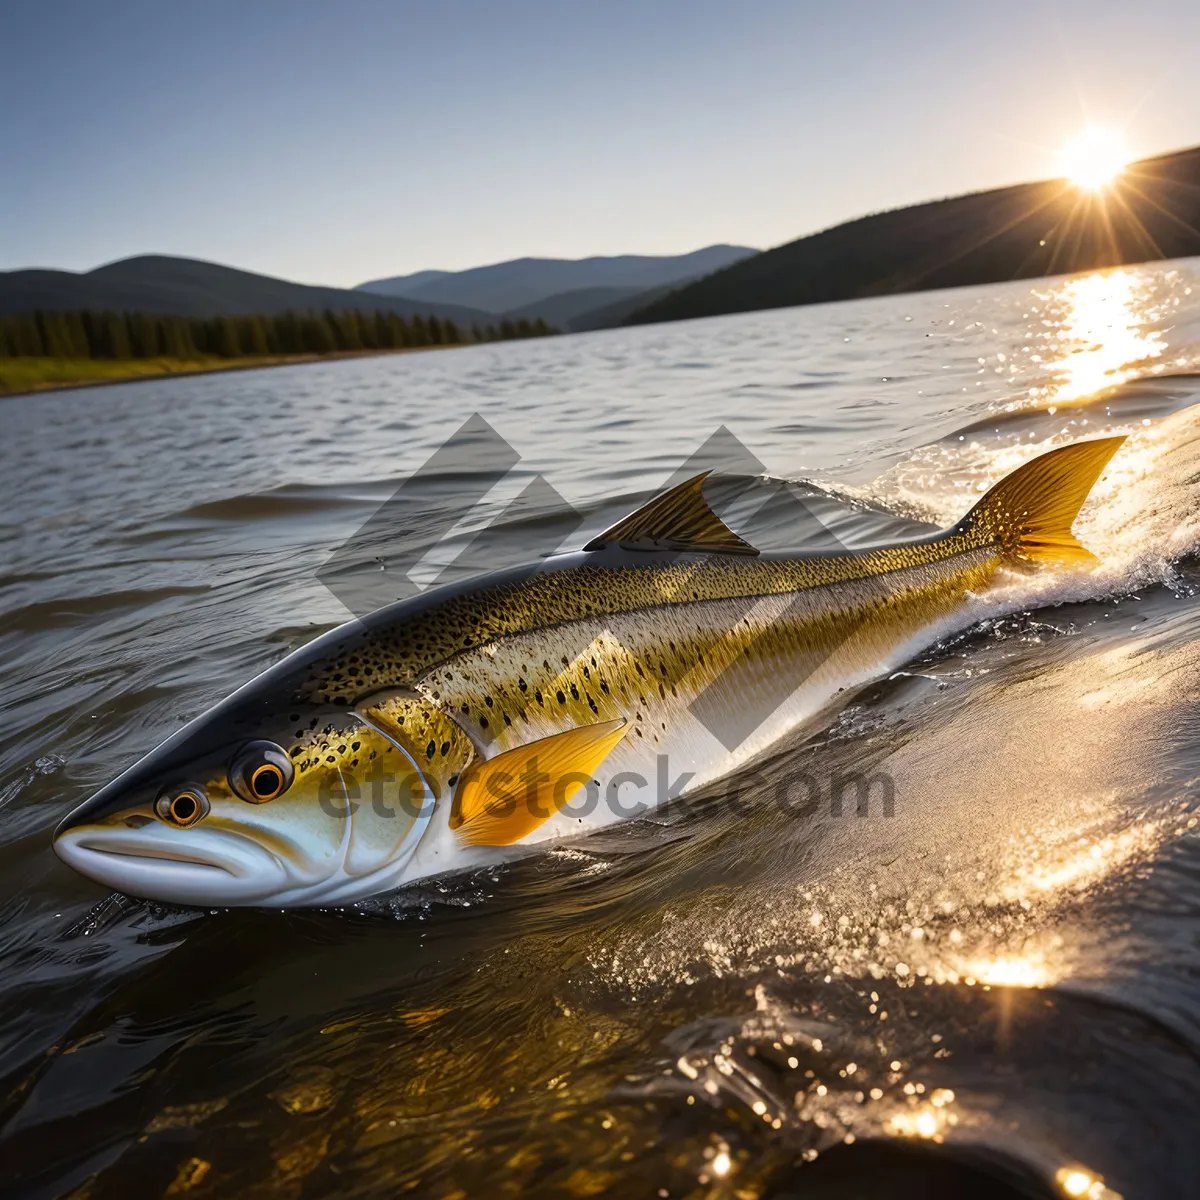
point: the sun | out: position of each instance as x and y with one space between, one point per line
1094 158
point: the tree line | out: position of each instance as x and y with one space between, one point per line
124 335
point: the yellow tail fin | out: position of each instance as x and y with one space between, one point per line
1031 511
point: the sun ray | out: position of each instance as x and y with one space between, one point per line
1165 212
978 243
1135 223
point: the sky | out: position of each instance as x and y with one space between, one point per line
333 143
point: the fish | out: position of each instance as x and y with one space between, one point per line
475 722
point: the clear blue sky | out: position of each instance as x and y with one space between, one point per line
334 142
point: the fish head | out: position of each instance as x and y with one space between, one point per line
256 803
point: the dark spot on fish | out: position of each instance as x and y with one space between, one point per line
355 745
483 723
488 701
561 697
445 749
430 750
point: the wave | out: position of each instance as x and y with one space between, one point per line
69 611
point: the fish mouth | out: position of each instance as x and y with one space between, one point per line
154 856
218 870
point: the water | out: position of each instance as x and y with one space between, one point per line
993 989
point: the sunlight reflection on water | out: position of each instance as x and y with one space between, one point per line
1105 333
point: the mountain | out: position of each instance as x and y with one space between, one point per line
401 285
523 282
1151 211
564 309
188 287
617 311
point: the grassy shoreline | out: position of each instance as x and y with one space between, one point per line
27 376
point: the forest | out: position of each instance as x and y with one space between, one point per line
140 335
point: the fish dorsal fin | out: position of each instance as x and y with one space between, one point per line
499 800
679 519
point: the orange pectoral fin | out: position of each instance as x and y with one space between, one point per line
500 800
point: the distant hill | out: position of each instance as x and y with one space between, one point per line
523 282
187 287
564 309
401 285
1152 211
617 312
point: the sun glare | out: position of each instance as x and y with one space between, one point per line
1094 158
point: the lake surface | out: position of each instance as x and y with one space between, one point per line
994 989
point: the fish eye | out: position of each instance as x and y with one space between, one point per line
183 807
260 772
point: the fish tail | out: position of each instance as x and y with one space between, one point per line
1031 511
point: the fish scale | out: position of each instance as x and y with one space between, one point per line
650 665
386 655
